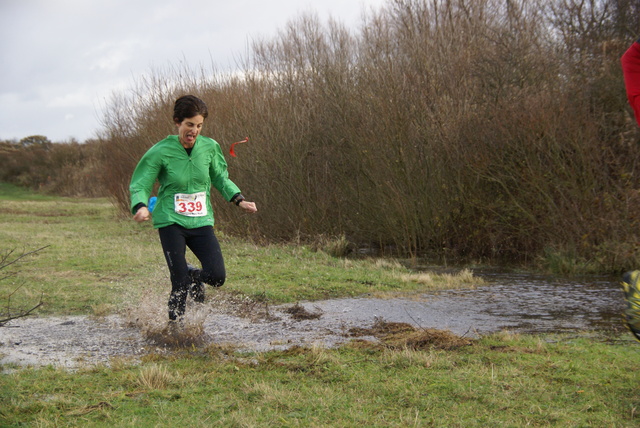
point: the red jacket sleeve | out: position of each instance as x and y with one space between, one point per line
631 71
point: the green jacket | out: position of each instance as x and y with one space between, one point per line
181 173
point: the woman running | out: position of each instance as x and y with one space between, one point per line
186 165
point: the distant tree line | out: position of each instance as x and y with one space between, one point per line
486 129
68 169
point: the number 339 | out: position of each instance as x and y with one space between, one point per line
190 207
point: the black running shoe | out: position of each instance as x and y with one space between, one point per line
632 296
196 289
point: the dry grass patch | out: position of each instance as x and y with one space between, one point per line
396 335
446 281
154 377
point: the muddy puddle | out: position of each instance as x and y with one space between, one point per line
519 303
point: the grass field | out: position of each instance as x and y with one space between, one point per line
94 261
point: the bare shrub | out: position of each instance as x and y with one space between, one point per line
486 129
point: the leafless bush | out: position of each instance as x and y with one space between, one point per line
486 129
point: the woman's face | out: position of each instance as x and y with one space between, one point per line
189 129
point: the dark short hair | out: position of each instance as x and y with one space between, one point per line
189 106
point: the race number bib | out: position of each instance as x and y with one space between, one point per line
191 205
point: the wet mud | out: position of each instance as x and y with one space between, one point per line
518 303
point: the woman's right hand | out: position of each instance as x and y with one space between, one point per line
142 215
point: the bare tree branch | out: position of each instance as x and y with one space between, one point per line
20 314
8 259
5 257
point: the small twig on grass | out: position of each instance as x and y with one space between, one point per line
413 319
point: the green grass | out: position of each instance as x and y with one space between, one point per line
95 259
92 256
502 380
12 192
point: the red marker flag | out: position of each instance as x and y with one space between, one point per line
231 151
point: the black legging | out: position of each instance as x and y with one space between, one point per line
203 243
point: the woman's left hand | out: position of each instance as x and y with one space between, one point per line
249 207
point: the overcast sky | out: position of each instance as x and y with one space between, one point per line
62 59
